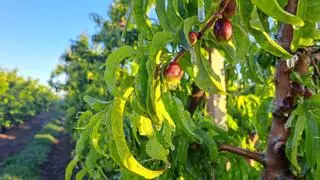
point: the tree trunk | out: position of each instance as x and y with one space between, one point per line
276 163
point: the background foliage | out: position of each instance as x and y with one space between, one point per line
22 99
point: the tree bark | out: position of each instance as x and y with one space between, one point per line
276 163
259 157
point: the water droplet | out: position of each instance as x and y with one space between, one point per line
172 148
201 11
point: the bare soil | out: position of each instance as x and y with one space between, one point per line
58 159
16 138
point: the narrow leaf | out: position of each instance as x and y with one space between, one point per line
273 9
123 150
156 151
72 164
163 17
263 38
113 62
140 15
205 77
96 104
298 129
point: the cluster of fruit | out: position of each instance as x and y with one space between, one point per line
222 30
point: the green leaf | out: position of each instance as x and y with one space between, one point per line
114 153
227 50
311 140
243 168
141 85
210 144
163 17
154 104
273 9
83 142
145 126
173 17
181 117
71 165
298 129
241 41
140 15
135 120
181 152
84 118
80 175
96 104
307 10
136 106
314 100
254 70
156 151
91 161
246 9
186 65
206 122
263 38
159 106
113 62
92 121
205 77
123 150
232 123
292 117
316 174
95 135
165 135
160 39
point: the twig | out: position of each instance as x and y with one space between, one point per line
315 66
259 157
210 22
180 54
214 18
197 95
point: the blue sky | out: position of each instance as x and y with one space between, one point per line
34 33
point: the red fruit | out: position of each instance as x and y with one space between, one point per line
297 88
230 10
173 72
222 29
307 93
193 37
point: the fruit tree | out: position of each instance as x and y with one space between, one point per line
157 123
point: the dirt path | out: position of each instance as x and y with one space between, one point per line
16 138
58 158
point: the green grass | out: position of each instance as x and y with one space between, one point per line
26 164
